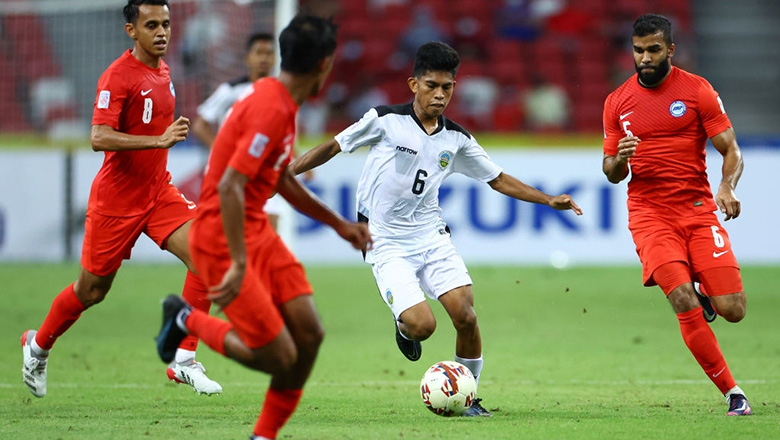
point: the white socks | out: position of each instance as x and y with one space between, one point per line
37 350
183 355
735 390
475 365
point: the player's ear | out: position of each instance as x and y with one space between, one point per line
671 50
413 84
130 30
325 64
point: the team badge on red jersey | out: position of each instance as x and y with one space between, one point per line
104 98
677 109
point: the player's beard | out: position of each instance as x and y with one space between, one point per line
653 77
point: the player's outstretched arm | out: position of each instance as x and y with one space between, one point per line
105 138
305 201
315 157
726 198
512 187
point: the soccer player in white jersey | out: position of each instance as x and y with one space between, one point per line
412 149
260 58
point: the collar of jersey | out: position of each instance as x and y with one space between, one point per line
439 121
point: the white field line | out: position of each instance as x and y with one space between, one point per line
393 383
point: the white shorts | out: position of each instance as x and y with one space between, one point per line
404 281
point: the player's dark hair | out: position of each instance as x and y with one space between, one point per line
259 36
435 57
650 24
131 9
305 42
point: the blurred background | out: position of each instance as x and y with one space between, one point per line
528 65
531 87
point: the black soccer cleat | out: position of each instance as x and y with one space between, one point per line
706 306
411 349
171 334
739 406
477 410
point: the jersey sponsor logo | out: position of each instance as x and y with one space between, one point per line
389 296
145 92
258 145
677 109
719 254
624 115
444 159
405 150
173 91
104 98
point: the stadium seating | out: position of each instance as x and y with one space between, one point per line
581 57
581 48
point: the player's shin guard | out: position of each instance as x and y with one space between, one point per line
194 292
65 310
702 343
279 405
210 329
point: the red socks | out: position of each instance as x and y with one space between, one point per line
277 409
702 343
194 292
210 329
65 310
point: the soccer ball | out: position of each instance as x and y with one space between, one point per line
448 388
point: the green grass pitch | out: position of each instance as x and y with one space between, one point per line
583 353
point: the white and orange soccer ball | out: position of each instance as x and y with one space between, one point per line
448 388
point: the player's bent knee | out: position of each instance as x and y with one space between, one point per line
91 295
311 341
735 313
731 307
466 320
420 330
683 298
277 361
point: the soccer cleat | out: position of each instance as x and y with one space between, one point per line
477 410
194 374
33 367
706 306
411 349
171 334
739 406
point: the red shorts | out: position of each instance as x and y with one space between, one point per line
273 277
108 240
698 241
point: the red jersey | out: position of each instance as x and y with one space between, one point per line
673 122
135 99
256 140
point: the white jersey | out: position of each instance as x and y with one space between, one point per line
398 190
214 109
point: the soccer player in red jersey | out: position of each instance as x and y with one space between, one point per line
272 324
132 193
656 126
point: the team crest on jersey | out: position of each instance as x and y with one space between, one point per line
103 99
444 159
677 109
389 296
173 91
